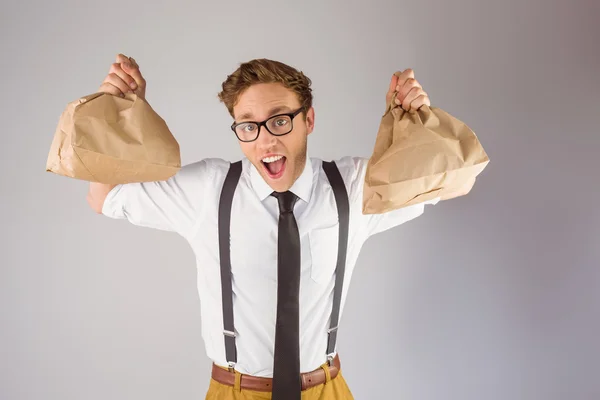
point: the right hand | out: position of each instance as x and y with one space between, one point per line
124 76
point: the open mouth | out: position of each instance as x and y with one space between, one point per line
274 166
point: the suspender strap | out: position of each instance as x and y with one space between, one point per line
343 208
229 186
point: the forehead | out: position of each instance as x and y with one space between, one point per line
260 101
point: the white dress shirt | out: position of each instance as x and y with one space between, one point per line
188 204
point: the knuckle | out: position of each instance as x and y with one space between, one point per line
115 80
108 88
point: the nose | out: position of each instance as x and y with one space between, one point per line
265 140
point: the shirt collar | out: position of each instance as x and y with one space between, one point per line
301 188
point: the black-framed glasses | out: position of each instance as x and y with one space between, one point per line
278 125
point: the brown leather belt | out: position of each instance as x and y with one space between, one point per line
309 379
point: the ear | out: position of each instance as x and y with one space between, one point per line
310 120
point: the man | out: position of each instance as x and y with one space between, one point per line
275 253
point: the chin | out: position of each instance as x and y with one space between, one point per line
279 185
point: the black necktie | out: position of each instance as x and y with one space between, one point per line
286 369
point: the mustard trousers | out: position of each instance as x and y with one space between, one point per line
333 389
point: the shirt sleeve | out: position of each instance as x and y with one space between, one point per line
172 205
353 170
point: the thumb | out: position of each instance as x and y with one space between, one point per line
391 89
393 84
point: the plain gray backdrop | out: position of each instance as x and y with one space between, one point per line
495 295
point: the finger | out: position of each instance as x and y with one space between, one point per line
409 85
420 101
117 82
404 76
410 96
132 61
133 70
391 89
121 58
116 69
109 88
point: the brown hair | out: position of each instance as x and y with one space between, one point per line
266 71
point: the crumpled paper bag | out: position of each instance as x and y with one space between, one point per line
108 139
419 156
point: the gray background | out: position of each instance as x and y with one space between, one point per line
490 296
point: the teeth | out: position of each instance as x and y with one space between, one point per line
272 159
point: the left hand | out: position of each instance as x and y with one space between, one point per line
411 95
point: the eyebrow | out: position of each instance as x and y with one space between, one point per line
273 111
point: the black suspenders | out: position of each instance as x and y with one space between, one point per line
343 208
231 181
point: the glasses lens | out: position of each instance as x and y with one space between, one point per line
247 131
280 125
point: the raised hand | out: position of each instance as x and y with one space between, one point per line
124 76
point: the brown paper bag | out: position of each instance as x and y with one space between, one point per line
109 139
419 156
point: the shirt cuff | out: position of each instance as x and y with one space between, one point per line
113 204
